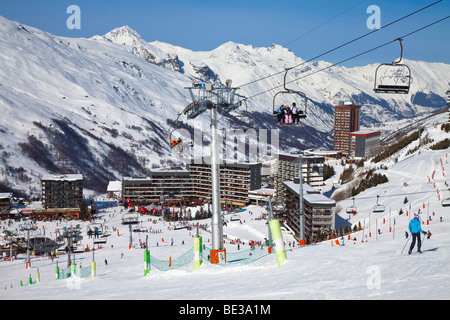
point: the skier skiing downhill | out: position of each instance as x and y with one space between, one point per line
415 229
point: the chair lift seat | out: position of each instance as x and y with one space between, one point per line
391 89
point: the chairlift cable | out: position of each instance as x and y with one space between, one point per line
323 23
311 31
353 57
345 44
381 196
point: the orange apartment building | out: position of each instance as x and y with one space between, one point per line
346 120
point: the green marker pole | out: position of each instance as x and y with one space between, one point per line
72 270
278 241
93 269
146 262
198 252
38 276
57 271
146 258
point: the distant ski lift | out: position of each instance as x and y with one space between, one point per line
180 140
101 240
130 218
393 77
78 248
235 217
352 209
278 112
179 225
93 226
445 202
103 237
106 233
378 208
277 206
244 113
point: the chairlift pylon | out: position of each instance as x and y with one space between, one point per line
278 111
396 77
211 96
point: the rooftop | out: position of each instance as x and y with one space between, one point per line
5 195
310 195
114 186
365 133
63 177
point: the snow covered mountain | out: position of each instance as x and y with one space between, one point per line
333 86
101 106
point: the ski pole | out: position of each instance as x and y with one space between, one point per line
423 240
406 243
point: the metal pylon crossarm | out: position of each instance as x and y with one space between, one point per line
208 96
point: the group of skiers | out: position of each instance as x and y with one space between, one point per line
288 114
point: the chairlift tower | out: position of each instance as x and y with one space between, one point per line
270 217
72 235
301 213
448 103
27 227
216 98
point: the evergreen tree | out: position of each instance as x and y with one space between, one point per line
84 215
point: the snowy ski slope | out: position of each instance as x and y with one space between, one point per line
373 269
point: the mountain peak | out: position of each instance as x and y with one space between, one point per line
123 35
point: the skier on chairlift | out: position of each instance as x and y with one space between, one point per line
173 143
295 114
279 112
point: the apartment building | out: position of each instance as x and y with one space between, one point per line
318 210
193 184
62 191
5 202
236 180
288 169
346 120
364 144
161 185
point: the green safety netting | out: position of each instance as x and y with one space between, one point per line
240 257
83 272
79 272
176 263
65 273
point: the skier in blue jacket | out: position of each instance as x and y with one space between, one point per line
415 229
279 112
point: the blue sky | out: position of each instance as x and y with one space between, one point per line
308 28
